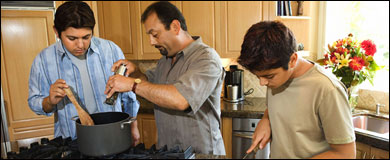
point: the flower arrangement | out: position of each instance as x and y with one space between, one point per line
352 61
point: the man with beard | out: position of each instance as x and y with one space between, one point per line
185 86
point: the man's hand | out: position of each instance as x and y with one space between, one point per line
57 93
118 83
130 66
262 135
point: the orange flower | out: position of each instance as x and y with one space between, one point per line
356 64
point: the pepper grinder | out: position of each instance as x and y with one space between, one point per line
111 100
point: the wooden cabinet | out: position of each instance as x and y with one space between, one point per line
200 19
117 23
221 24
234 18
147 129
364 151
377 153
120 22
227 132
23 35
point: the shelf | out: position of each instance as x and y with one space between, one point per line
293 17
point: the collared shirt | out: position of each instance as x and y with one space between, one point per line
198 75
53 63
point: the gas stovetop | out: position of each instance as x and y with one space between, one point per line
67 148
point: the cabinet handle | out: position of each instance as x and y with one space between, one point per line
242 136
364 155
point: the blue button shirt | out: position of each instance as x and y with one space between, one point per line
54 63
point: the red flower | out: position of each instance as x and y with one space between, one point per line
369 47
356 64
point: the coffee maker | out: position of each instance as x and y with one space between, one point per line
234 85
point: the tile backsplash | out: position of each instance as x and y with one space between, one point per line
369 98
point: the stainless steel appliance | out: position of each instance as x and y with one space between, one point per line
243 129
234 84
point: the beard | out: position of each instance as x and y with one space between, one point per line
163 51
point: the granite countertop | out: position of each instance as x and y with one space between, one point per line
254 107
251 107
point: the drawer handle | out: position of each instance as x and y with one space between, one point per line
242 136
364 155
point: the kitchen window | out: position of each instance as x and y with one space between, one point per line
365 20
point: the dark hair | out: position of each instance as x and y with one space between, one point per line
73 14
267 45
166 13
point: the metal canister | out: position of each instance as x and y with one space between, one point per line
111 100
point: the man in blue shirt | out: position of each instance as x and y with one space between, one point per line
82 62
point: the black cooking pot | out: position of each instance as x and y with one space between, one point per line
110 134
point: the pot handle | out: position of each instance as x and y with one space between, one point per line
128 122
74 118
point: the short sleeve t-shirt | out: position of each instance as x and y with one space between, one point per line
307 114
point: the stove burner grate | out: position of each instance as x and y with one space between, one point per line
67 148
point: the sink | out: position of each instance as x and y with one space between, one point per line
371 123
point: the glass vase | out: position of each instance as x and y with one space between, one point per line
352 97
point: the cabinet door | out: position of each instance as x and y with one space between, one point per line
23 35
147 128
362 151
116 23
235 18
377 153
200 19
146 51
227 131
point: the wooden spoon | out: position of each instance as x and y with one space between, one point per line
85 119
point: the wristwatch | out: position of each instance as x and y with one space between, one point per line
136 81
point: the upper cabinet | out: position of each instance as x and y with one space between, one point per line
221 24
200 19
116 23
234 19
120 22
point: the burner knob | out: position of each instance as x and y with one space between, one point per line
44 140
33 145
67 141
23 149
